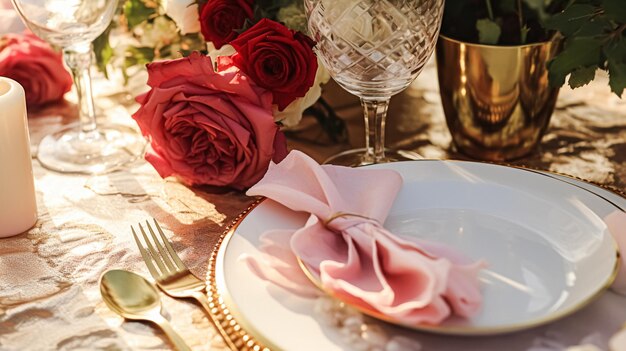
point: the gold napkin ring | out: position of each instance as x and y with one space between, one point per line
343 215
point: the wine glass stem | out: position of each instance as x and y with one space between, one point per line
78 59
375 116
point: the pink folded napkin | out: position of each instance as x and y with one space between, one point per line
345 244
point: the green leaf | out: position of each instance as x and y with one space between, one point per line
615 10
595 26
579 52
570 20
617 77
138 56
524 33
615 50
103 51
582 76
136 12
143 54
488 31
270 8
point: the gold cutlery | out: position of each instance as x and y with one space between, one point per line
133 297
171 274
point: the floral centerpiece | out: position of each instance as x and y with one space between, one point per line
224 76
168 29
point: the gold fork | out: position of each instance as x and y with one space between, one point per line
171 274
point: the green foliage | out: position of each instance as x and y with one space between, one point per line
136 20
594 35
103 51
582 76
273 6
617 74
571 19
578 53
499 22
138 11
488 31
615 10
139 56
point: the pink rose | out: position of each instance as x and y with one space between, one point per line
31 62
208 127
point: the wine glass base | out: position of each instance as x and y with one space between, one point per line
106 149
358 157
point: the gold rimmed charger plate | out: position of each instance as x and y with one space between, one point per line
247 328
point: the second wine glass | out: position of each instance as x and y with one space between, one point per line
85 147
374 49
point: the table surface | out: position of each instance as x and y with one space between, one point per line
49 294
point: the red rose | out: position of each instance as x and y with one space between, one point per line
219 19
279 59
31 62
208 127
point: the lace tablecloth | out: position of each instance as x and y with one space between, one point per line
49 295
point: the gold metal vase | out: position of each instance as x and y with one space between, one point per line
496 99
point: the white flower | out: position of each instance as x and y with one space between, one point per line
159 33
184 13
292 114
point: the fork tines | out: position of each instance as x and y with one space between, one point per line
163 255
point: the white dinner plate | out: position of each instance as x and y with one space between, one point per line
543 235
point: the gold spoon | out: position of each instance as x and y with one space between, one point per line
133 297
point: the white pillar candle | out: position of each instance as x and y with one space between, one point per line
18 207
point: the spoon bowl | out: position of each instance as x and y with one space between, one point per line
133 297
129 294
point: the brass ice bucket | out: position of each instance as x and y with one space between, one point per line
496 99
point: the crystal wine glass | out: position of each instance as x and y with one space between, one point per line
85 147
374 49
